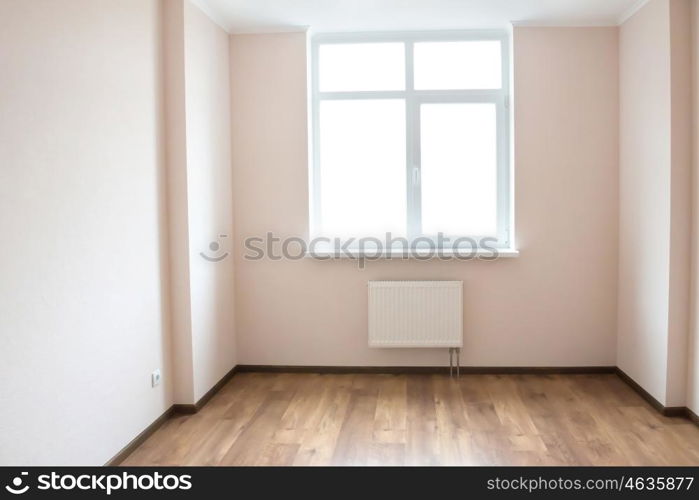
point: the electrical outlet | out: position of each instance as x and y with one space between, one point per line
155 378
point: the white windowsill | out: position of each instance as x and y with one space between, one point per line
331 254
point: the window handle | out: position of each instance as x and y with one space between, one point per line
416 176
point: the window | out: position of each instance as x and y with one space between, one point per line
410 137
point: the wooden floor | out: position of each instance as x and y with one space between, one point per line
308 419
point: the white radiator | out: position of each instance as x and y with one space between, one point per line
415 313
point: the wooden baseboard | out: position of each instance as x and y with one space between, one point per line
675 411
395 370
693 416
188 409
138 440
666 411
174 409
211 392
184 409
641 391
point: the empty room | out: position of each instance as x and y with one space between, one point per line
348 233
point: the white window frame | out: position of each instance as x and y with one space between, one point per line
413 99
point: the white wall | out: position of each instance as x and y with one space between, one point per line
200 190
115 175
554 305
82 294
210 195
177 197
654 201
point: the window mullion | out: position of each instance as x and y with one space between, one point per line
316 212
412 160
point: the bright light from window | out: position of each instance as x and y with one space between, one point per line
458 65
362 167
458 146
361 66
415 160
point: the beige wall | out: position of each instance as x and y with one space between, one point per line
101 238
554 305
654 199
83 287
693 351
681 203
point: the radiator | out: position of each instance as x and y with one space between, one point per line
415 314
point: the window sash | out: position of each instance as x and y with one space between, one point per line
413 99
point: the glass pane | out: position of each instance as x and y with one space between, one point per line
361 66
458 65
458 149
362 167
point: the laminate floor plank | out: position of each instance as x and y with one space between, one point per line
368 419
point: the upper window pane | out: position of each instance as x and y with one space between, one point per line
361 66
458 65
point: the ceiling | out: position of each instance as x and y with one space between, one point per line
259 16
